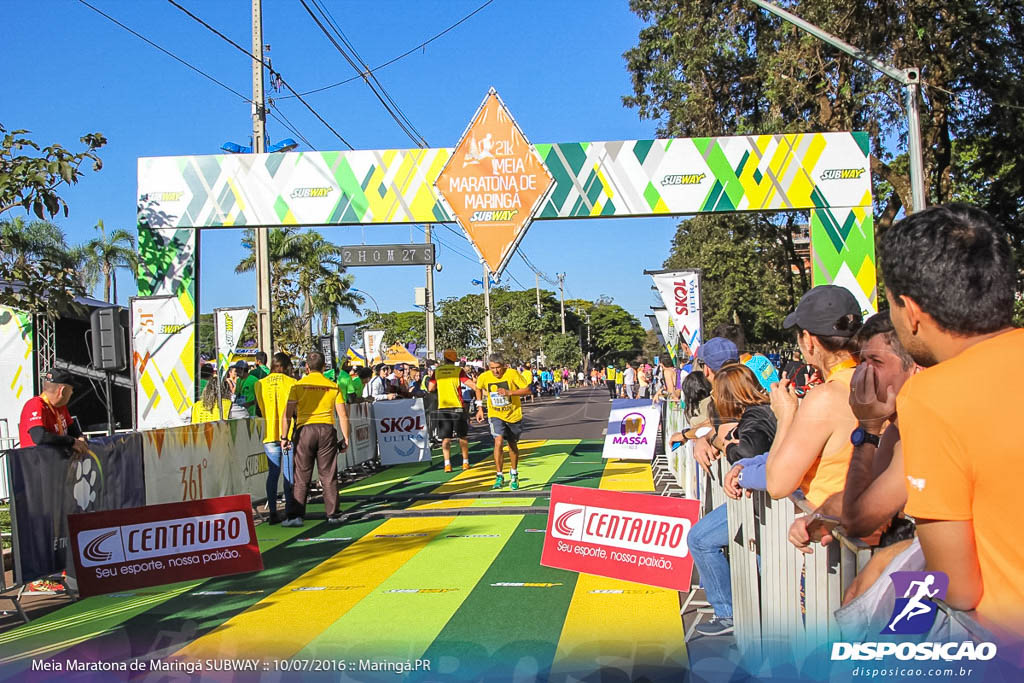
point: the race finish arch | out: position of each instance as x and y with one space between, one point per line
494 183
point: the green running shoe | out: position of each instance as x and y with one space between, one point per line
514 484
499 481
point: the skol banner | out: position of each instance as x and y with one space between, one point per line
50 483
228 323
628 536
161 544
162 359
401 431
17 367
632 430
680 292
371 345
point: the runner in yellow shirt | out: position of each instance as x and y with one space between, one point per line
503 387
272 394
452 420
312 404
527 374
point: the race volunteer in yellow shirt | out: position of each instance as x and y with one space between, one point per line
452 418
503 387
312 404
272 398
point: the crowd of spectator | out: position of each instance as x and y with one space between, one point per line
898 429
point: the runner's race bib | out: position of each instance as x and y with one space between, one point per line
498 401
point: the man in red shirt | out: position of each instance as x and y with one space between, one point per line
45 420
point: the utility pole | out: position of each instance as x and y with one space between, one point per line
536 284
561 289
910 78
487 306
265 339
431 351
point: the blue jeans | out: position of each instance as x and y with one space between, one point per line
277 463
706 540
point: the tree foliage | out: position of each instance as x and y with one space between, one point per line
563 350
105 254
39 271
405 327
616 336
726 67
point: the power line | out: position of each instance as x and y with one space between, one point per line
400 119
287 125
399 57
271 69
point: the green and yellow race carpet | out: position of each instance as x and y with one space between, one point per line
464 593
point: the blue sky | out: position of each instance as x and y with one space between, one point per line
557 65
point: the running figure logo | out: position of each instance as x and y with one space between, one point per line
915 611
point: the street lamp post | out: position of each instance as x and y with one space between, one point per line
910 78
362 291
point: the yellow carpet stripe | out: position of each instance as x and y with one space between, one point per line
283 623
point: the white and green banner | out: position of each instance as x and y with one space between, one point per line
163 336
229 324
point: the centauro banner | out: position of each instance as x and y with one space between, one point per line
229 323
158 544
680 292
628 536
163 350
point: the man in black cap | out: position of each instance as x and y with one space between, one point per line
45 420
812 446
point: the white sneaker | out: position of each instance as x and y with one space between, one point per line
292 522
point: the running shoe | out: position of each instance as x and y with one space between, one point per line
447 467
499 481
514 484
716 627
465 465
292 522
45 586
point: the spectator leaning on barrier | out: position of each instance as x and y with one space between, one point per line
874 494
45 419
312 403
949 277
766 373
743 407
206 409
812 447
713 355
272 396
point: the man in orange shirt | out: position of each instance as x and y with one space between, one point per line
950 279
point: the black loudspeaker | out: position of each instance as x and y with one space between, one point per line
108 348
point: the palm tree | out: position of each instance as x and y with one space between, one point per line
317 260
281 243
334 292
38 240
105 254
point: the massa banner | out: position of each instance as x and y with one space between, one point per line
632 430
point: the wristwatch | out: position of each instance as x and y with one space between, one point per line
861 436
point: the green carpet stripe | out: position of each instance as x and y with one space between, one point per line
499 627
402 625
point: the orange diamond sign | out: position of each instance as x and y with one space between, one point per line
494 182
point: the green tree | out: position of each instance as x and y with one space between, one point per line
333 293
616 336
45 281
726 67
39 272
563 350
741 272
103 255
399 327
30 176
